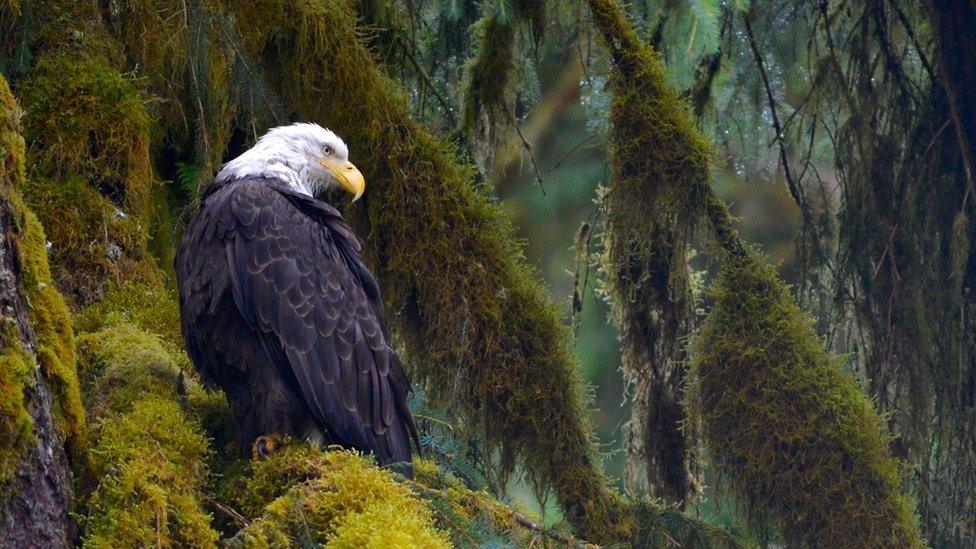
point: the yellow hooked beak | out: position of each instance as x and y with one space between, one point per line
347 175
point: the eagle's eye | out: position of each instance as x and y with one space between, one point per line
327 150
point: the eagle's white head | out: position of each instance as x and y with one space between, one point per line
308 157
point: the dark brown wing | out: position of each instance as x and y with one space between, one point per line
293 268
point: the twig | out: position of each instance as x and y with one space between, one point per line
795 189
429 81
234 515
528 150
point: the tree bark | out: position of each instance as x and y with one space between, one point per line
35 510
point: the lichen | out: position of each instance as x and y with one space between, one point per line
797 438
336 498
149 455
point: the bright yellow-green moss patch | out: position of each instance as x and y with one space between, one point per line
795 435
336 498
16 426
16 363
121 363
51 321
149 455
149 463
150 306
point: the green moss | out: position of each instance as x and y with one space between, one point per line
16 363
121 363
91 180
16 426
488 88
148 454
150 306
51 321
338 498
150 477
478 324
795 435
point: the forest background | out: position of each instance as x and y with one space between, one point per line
658 368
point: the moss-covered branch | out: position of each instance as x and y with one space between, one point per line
149 456
305 496
797 437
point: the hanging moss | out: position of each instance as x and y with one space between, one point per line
797 438
91 180
148 454
488 89
660 177
338 498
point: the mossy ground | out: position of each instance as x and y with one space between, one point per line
797 438
336 498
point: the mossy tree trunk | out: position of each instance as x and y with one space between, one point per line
35 477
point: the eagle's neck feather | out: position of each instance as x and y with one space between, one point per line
263 162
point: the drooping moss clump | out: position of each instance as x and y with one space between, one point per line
488 90
91 180
148 454
795 435
304 496
654 202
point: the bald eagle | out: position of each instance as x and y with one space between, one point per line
278 309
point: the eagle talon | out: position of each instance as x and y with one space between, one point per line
263 447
